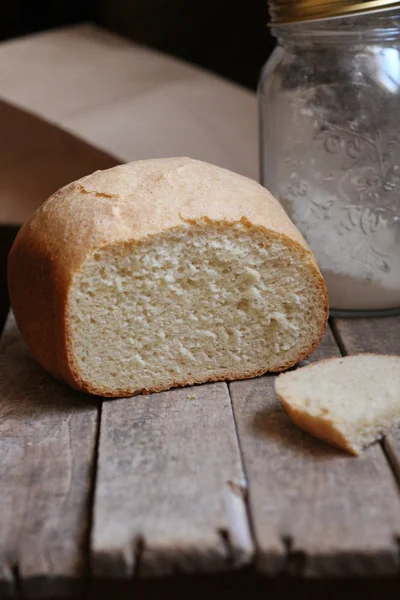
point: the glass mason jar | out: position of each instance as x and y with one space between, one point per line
329 101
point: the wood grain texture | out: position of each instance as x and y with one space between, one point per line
170 486
378 335
316 511
47 440
381 336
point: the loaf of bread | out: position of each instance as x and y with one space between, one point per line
163 273
348 402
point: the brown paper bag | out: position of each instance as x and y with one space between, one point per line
37 158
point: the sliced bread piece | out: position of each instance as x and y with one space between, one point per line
349 402
161 273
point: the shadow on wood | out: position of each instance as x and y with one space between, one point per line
276 425
7 236
28 389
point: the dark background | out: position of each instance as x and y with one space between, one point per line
229 37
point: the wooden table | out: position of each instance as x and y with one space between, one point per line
204 479
196 492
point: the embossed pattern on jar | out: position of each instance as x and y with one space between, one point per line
330 151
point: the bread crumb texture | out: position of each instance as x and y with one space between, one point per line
163 273
349 402
189 306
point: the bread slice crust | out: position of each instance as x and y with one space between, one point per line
323 426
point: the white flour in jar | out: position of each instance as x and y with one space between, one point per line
340 184
356 249
330 150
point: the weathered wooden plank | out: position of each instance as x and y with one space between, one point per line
47 442
382 336
315 510
379 335
170 486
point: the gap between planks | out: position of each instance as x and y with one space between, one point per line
315 510
175 475
47 444
170 492
287 470
380 335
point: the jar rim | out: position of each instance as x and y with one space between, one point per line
287 12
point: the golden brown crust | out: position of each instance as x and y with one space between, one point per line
128 203
321 428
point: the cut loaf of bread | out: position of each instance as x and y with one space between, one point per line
163 273
348 402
